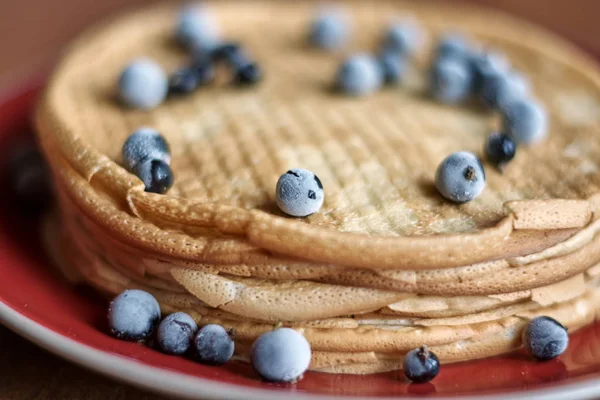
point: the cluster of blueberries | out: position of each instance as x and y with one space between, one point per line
144 84
458 73
280 355
283 354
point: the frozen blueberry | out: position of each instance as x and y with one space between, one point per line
486 65
359 75
213 345
196 28
393 66
499 90
282 355
329 29
403 37
29 179
145 143
450 80
460 177
133 315
545 338
500 149
525 121
143 84
453 44
156 175
299 193
421 365
175 333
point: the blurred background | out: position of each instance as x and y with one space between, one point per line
32 33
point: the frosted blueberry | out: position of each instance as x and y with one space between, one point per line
403 37
156 175
453 44
526 121
143 84
460 177
145 143
486 65
299 193
499 90
451 80
421 365
499 149
175 333
196 28
545 338
393 66
133 315
359 75
282 355
213 345
329 29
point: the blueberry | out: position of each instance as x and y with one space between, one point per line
184 80
299 193
451 80
204 70
245 71
156 175
145 143
227 52
499 90
545 338
133 315
525 121
29 179
500 149
248 74
453 44
143 84
421 365
329 30
460 177
393 67
403 38
486 65
282 355
175 333
359 75
196 28
213 345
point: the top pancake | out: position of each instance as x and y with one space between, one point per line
376 155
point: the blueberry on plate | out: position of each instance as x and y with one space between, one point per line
545 338
421 365
282 355
133 315
175 333
500 149
213 345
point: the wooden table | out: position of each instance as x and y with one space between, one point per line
31 35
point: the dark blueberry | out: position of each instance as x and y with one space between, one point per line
133 315
175 333
248 74
213 345
226 52
421 365
500 149
545 338
162 177
204 70
145 144
29 179
393 66
184 80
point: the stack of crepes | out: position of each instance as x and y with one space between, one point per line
386 265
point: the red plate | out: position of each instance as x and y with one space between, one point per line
70 322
